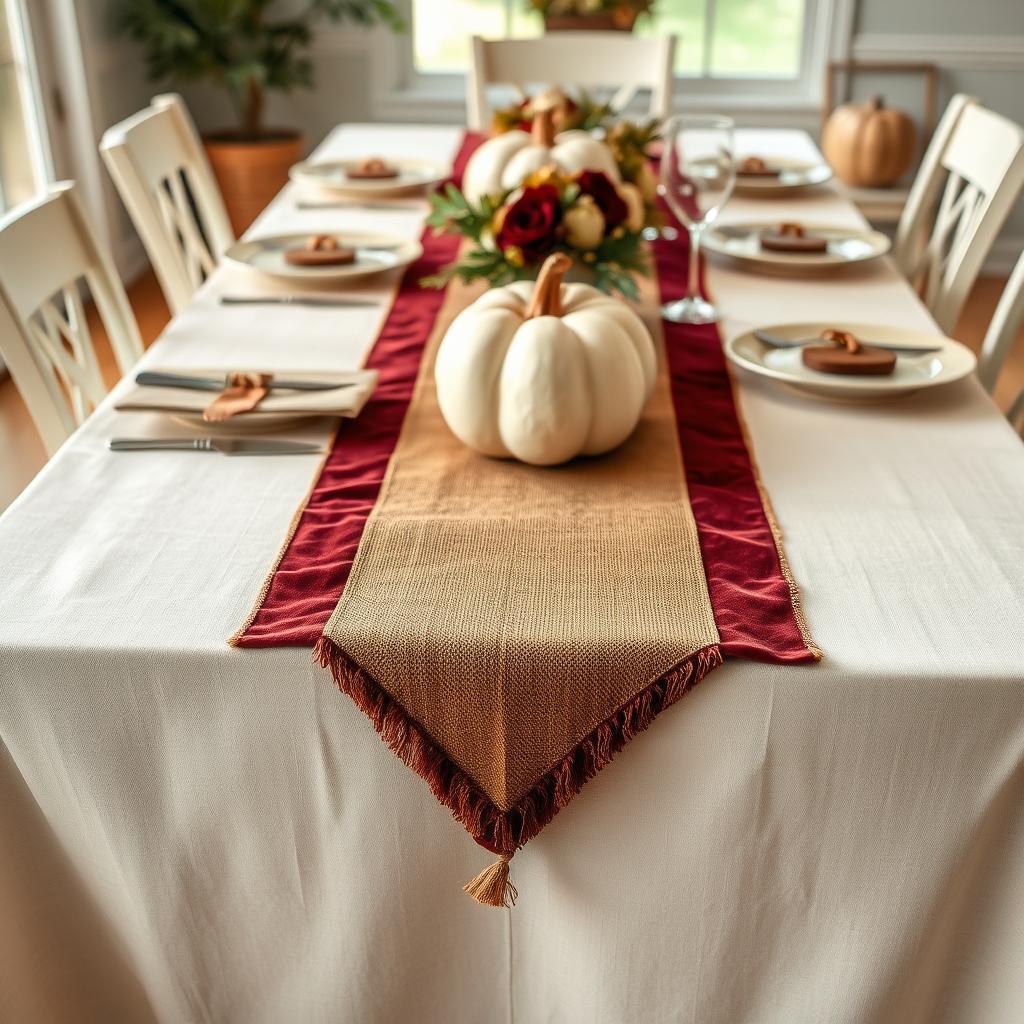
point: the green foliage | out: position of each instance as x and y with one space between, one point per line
451 211
239 44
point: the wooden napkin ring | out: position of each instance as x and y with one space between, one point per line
320 251
242 393
373 168
844 354
790 236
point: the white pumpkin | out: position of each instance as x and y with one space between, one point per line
501 163
545 372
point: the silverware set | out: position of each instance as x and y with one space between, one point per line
221 445
353 204
159 379
296 300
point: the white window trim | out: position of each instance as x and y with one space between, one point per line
400 93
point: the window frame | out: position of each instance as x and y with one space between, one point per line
400 91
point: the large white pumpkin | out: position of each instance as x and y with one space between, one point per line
545 372
501 163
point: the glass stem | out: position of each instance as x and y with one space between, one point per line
693 287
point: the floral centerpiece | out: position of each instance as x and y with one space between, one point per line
595 221
613 15
584 112
598 222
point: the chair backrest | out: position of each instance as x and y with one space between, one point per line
47 249
1002 331
164 179
969 179
586 59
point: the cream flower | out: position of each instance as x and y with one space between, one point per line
634 200
647 181
584 224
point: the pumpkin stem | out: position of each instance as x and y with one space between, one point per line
547 292
876 103
543 128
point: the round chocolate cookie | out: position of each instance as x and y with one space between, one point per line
372 169
844 354
755 167
792 238
320 251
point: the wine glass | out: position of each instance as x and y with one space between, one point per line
697 177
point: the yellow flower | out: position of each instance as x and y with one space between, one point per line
634 200
515 256
543 175
584 224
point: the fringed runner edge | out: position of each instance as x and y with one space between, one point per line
503 832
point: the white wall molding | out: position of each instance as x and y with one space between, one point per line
960 52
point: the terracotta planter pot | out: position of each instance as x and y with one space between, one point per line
622 21
250 174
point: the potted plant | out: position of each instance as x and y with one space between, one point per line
247 48
600 15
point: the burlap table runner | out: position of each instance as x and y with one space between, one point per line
509 627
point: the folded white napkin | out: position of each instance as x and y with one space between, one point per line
341 401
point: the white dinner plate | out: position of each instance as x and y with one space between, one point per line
794 175
912 373
333 175
375 253
845 246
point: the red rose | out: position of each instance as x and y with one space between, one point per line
530 222
602 190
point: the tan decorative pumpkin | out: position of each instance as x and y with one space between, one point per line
869 145
503 162
545 372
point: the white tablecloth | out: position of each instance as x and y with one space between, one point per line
207 834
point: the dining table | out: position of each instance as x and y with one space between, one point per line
191 831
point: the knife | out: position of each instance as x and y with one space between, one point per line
358 206
157 379
224 445
907 350
294 300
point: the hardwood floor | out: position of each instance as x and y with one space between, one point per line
22 454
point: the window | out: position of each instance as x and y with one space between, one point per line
715 38
24 155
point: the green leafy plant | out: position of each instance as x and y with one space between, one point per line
243 45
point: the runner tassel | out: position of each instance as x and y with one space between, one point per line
492 887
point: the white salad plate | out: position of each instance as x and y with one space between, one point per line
793 175
376 252
333 176
952 362
844 246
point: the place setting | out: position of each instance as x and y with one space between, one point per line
769 177
334 257
795 247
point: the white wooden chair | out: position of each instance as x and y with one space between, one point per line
586 59
164 179
47 249
969 179
1006 321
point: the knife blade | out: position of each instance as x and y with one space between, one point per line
223 445
353 205
295 300
907 350
159 379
